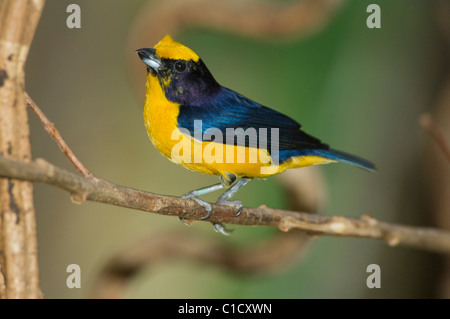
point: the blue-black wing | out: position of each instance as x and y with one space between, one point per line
231 110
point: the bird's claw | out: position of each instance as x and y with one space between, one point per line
184 222
233 203
219 228
205 204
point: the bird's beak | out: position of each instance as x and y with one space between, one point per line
149 57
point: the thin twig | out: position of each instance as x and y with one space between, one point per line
100 190
54 134
427 122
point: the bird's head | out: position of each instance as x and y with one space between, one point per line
182 75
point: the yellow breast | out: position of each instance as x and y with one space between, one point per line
160 116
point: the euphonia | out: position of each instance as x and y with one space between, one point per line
207 128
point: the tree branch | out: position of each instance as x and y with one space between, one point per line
54 134
100 190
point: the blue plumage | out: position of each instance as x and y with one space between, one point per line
227 109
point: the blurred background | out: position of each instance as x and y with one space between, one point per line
360 90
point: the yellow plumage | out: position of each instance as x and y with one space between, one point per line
167 48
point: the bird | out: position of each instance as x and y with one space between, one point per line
205 127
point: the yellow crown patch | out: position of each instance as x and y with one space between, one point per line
167 48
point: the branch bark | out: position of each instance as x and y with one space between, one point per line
100 190
19 274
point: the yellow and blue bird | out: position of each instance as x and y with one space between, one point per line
199 124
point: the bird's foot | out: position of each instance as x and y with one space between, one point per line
233 203
219 228
205 204
186 223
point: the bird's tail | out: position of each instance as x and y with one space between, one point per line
348 158
343 157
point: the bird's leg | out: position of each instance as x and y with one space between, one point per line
199 192
223 200
227 181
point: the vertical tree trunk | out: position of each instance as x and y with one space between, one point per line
19 273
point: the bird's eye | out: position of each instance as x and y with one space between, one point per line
180 66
